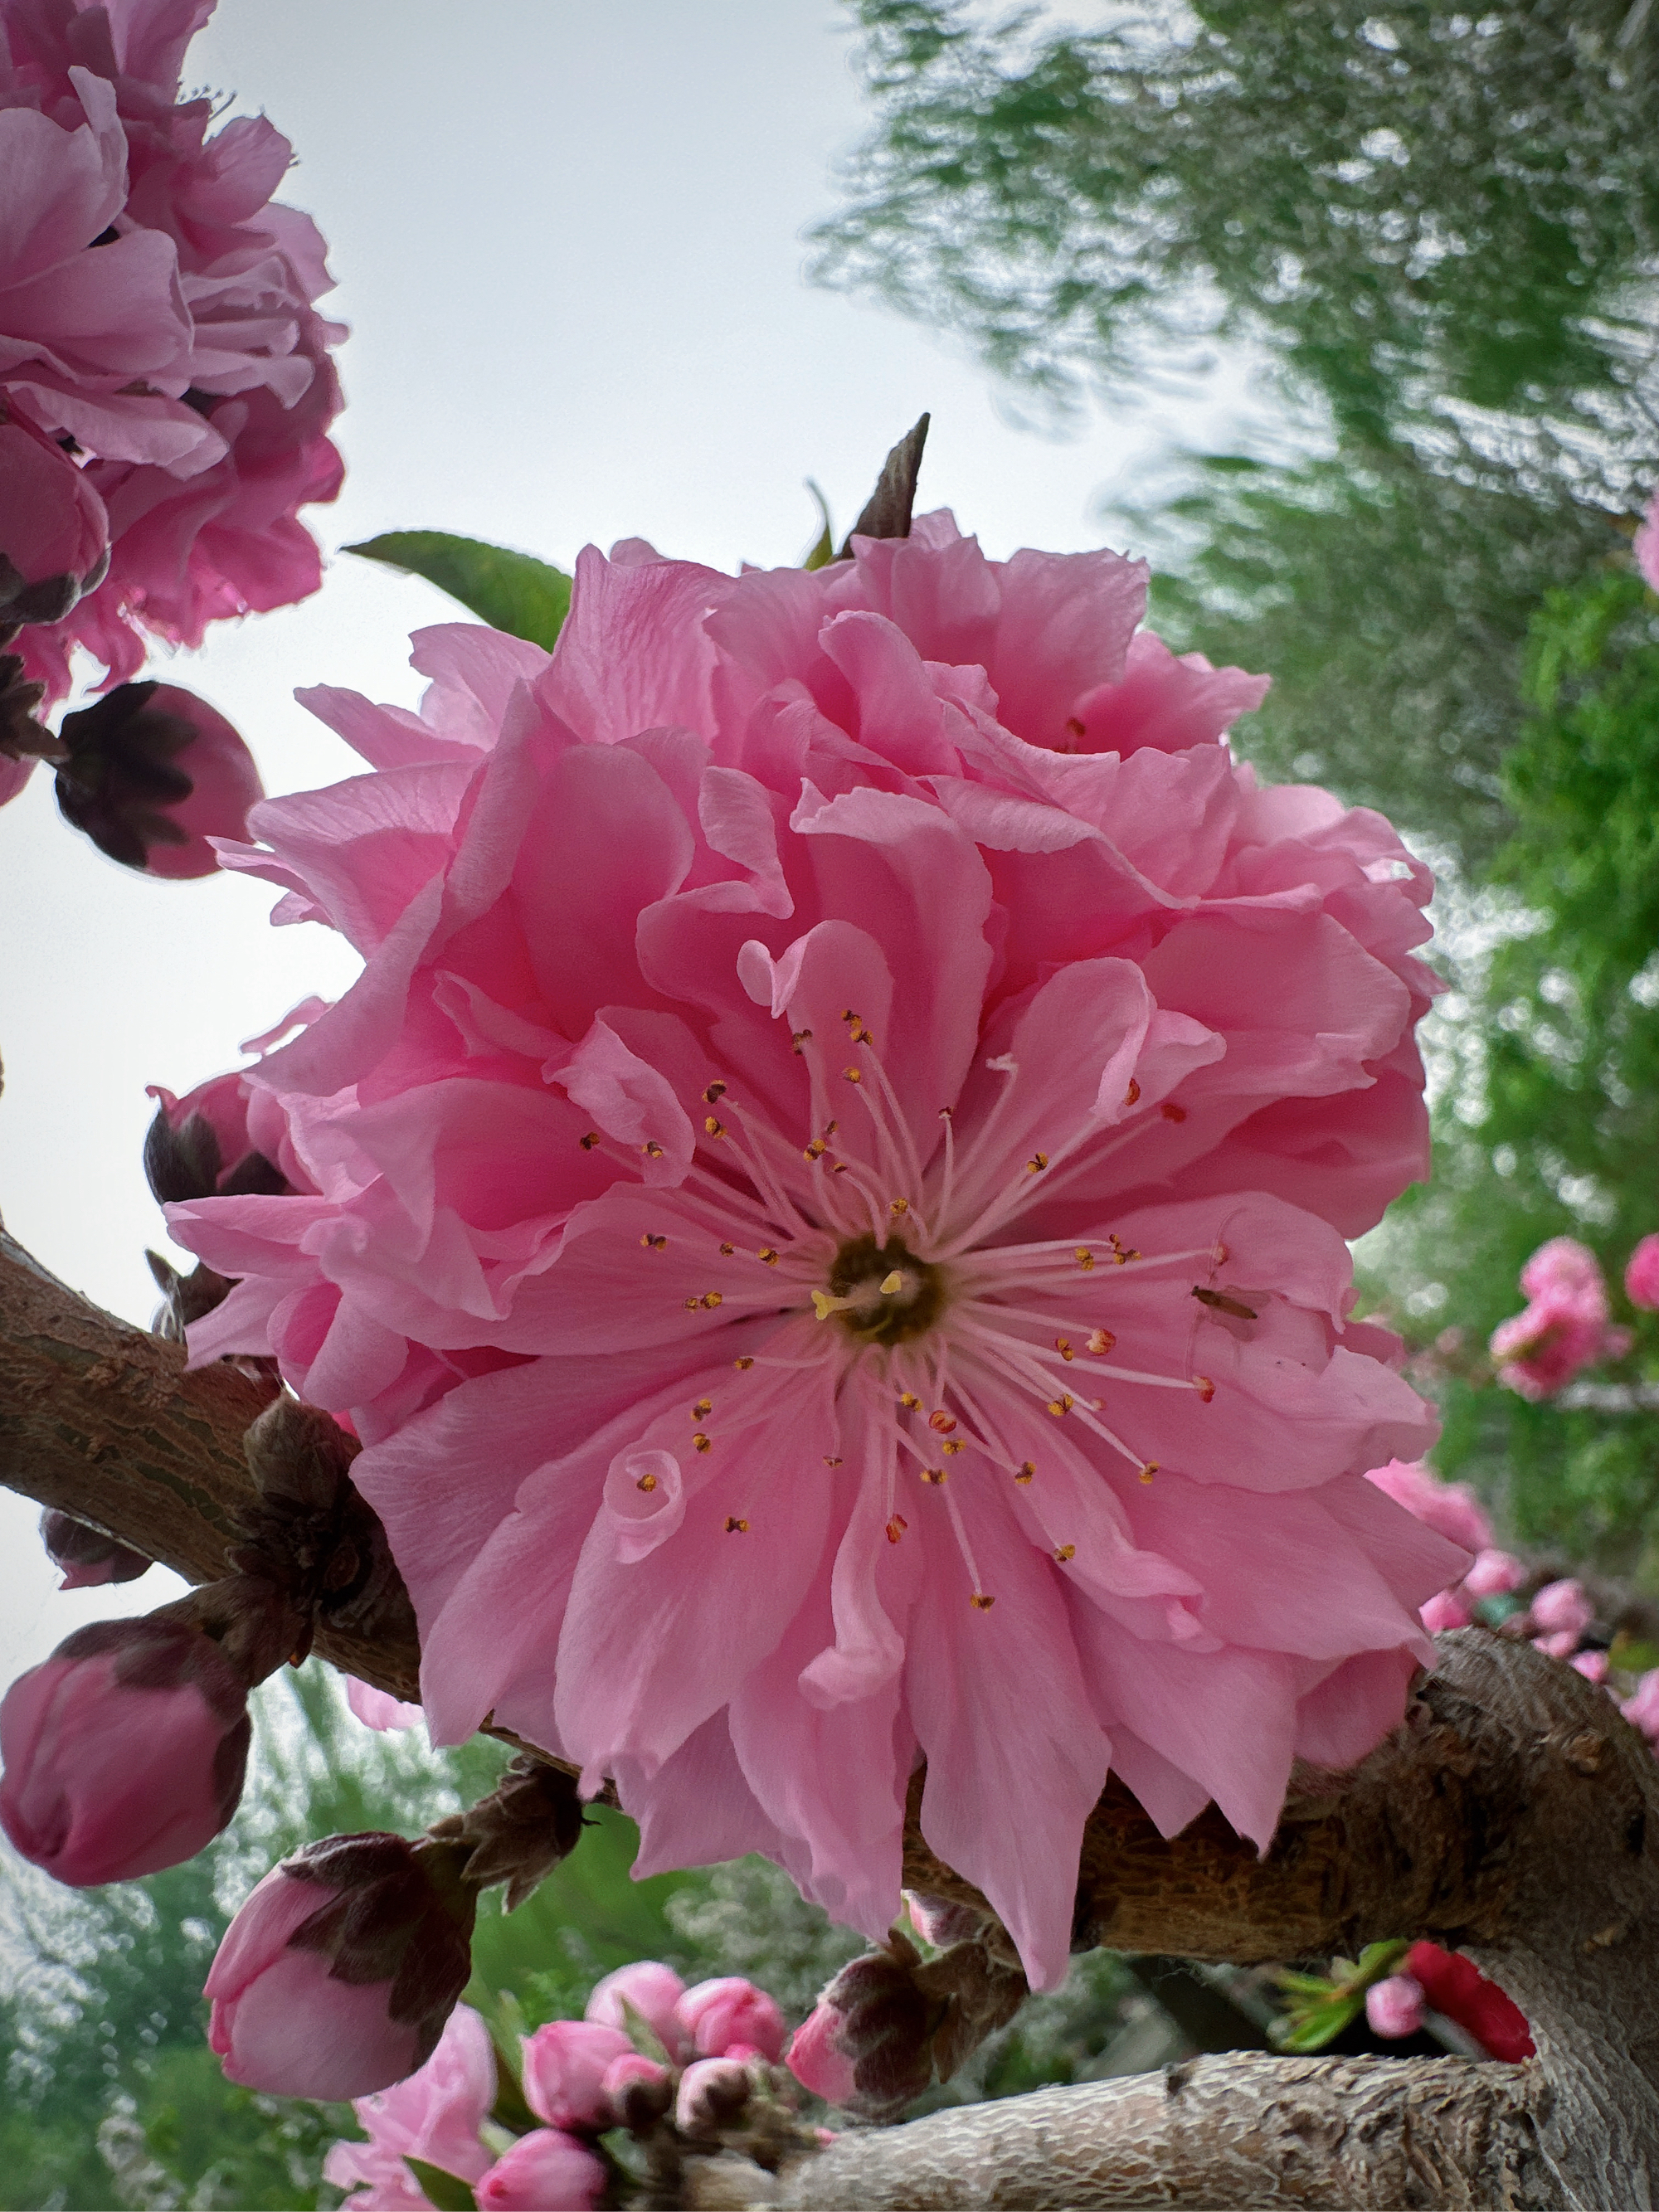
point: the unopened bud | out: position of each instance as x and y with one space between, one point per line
712 2093
649 1991
867 2042
338 1975
201 1146
728 2012
545 2167
87 1557
565 2066
1394 2007
637 2090
124 1751
153 773
54 533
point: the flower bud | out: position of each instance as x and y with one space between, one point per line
1494 1574
819 2059
1642 1275
154 772
545 2171
124 1751
716 2014
337 1976
200 1145
637 2090
54 533
1641 1708
1561 1609
1445 1609
1592 1665
88 1557
1394 2007
564 2068
712 2092
650 1991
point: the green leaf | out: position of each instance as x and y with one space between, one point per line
824 545
512 592
1313 2029
447 2191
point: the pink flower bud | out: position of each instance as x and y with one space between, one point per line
337 1976
545 2171
1562 1609
1592 1665
637 2090
1395 2007
564 2069
1445 1609
712 2092
1641 1708
1642 1275
219 1140
86 1556
1563 1264
1494 1574
816 2057
716 2014
648 1989
124 1751
54 533
153 773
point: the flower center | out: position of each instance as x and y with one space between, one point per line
881 1293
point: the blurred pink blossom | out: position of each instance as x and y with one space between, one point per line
782 1030
1562 1609
1445 1609
1450 1509
435 2114
1645 545
1564 1328
1494 1574
545 2171
1641 1708
650 1990
1394 2007
1642 1275
378 1709
1592 1665
711 2090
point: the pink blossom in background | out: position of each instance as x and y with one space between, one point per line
378 1709
436 2115
158 307
1565 1326
1445 1609
1394 2007
1494 1574
545 2171
1562 1608
728 2012
826 1207
124 1751
1592 1665
1645 544
1455 1986
1450 1509
647 1989
817 2059
1642 1275
1641 1708
565 2064
1561 1263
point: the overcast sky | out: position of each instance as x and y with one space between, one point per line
568 241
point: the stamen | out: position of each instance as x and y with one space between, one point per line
1037 1163
982 1601
1204 1387
702 1409
953 1444
653 1244
1025 1470
909 1400
1085 1258
714 1092
854 1074
1064 1349
766 1255
647 1482
942 1421
1149 1470
899 1206
1101 1339
727 1250
744 1364
652 1149
714 1125
935 1475
734 1527
1131 1095
831 1459
798 1039
590 1140
1066 1552
702 1441
896 1528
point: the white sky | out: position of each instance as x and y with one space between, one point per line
568 241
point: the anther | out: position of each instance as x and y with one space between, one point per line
1171 1113
934 1474
953 1444
824 1303
652 1149
1204 1387
700 1442
1131 1097
1064 1348
816 1149
798 1038
768 1255
898 1205
1063 1404
947 1113
1085 1258
743 1364
854 1074
653 1244
909 1400
734 1527
982 1602
891 1284
1075 729
1066 1552
1025 1470
712 1126
727 1250
590 1140
1101 1339
1122 1253
711 1299
1037 1163
849 1016
831 1459
702 1409
1149 1470
896 1528
692 1304
646 1482
942 1421
715 1091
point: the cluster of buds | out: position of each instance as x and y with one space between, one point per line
684 2073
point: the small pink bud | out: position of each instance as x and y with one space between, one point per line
564 2069
54 533
1445 1609
154 773
1641 1708
816 2058
1395 2007
730 2010
637 2090
202 1145
337 1976
124 1751
1494 1574
545 2171
1562 1609
1642 1275
712 2092
86 1556
1592 1665
648 1989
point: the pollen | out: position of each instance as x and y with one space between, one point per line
1037 1163
1085 1258
1204 1387
898 1205
854 1074
983 1602
743 1364
896 1528
849 1016
734 1527
692 1304
953 1445
1062 1345
767 1255
909 1400
701 1441
942 1421
1101 1339
1131 1095
1172 1113
889 1285
1025 1470
654 1242
798 1038
1122 1253
711 1299
702 1409
712 1126
1066 1552
1149 1470
1063 1404
714 1092
816 1149
934 1474
590 1140
646 1482
652 1149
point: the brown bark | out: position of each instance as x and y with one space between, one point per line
1513 1814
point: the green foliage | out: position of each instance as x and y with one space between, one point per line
510 591
447 2191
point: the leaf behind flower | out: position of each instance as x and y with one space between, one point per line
511 591
447 2191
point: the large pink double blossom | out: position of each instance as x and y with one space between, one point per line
158 310
826 1206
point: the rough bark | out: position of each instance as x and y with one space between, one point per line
1513 1814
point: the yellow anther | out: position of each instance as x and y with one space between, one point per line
1131 1095
1025 1470
652 1149
1149 1470
1066 1552
743 1364
734 1527
838 1167
1204 1387
1063 1404
727 1250
831 1459
952 1444
816 1149
898 1205
711 1299
1101 1339
701 1442
646 1482
891 1283
702 1409
692 1304
712 1126
1063 1347
1037 1163
861 1034
982 1602
848 1015
715 1091
652 1242
798 1038
896 1528
768 1255
1086 1258
935 1475
854 1074
942 1421
909 1400
590 1140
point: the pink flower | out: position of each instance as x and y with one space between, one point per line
1562 1609
1494 1574
1641 1708
1394 2007
1645 544
338 1975
1450 1509
649 1991
906 1164
154 773
717 2014
1592 1665
88 1557
1564 1264
565 2064
1642 1275
435 2115
1563 1329
818 2058
377 1708
124 1751
1454 1985
545 2171
54 533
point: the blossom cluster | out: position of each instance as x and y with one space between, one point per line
827 1209
165 385
648 2048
